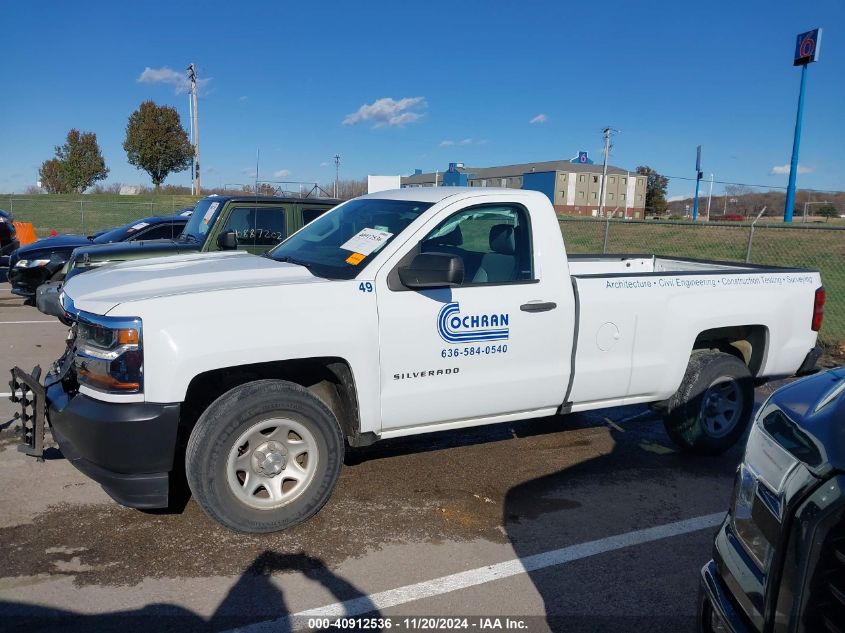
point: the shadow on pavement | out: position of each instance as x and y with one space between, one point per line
648 587
253 598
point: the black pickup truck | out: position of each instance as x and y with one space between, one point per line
251 223
779 557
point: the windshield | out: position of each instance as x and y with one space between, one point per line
204 215
342 242
120 233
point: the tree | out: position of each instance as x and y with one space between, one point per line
77 166
655 189
827 212
156 142
51 176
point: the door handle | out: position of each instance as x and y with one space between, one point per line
538 306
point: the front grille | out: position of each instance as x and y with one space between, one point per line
825 609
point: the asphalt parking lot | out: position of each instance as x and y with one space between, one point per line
583 522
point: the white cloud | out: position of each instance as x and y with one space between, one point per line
248 172
540 118
388 112
688 196
324 164
465 141
166 75
781 170
243 98
281 173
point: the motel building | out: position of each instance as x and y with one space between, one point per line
573 186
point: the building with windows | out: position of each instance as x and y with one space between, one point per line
573 186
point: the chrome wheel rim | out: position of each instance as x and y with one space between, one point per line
272 463
721 406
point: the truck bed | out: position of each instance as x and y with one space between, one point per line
638 317
583 265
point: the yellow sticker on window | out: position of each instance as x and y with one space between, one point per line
355 259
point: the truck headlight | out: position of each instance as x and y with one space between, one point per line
108 354
745 507
759 499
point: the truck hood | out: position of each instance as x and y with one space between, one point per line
99 291
815 409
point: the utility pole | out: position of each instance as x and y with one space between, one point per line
709 197
336 173
192 76
698 175
608 132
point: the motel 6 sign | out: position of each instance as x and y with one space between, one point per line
807 47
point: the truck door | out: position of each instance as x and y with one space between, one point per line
498 344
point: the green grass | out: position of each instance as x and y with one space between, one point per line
85 214
820 248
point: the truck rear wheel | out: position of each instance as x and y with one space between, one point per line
712 407
264 456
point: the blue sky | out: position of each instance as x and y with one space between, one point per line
444 81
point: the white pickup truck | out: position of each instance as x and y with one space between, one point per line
396 313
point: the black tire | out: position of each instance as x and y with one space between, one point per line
238 411
692 420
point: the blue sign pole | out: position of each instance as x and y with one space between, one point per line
695 204
796 143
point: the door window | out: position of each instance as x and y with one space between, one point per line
161 232
261 227
494 242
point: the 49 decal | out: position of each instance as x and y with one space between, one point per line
455 327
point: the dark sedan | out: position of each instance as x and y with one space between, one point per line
36 263
779 557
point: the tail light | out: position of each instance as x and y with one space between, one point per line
818 310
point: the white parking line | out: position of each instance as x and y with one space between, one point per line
24 322
481 575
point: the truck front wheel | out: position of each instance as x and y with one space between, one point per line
264 456
712 407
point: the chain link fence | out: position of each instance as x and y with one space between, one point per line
87 216
817 247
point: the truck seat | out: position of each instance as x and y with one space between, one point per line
500 264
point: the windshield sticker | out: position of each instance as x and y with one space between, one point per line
211 209
366 241
355 258
138 227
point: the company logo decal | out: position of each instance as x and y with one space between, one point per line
454 327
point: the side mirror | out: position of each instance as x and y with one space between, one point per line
227 241
433 270
47 299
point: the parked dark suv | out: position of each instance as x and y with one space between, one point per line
779 557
